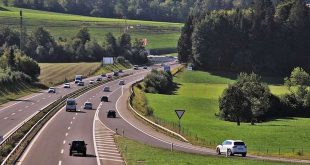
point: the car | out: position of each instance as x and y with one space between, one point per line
135 67
91 82
78 78
109 76
120 71
145 67
78 147
115 74
51 90
88 105
121 82
111 114
104 99
66 85
71 104
81 83
99 79
103 75
106 89
231 147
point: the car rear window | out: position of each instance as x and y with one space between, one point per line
239 143
78 143
70 102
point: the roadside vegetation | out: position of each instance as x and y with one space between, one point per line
137 153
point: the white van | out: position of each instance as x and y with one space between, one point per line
71 105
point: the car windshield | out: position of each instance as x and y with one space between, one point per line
239 143
87 103
70 102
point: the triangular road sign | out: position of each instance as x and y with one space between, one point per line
179 113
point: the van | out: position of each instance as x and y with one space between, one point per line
78 78
104 99
71 105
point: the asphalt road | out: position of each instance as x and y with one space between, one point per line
14 113
51 145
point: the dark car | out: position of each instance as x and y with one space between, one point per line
145 67
103 75
115 74
120 71
99 79
109 76
111 114
81 83
105 99
78 147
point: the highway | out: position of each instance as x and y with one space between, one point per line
14 113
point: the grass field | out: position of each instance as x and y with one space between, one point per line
55 73
160 35
198 95
138 153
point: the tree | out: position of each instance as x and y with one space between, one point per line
185 42
158 82
234 105
83 35
111 45
11 60
5 2
28 66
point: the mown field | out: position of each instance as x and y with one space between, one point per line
55 73
198 95
160 35
137 153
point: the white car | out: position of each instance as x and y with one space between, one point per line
106 89
51 90
66 85
232 147
91 82
88 105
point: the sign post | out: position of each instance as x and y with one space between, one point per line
179 113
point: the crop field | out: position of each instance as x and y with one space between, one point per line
160 35
198 95
137 153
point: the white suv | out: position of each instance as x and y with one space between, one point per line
232 147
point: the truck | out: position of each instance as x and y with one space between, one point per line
78 78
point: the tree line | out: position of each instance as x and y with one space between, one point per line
41 46
156 10
269 37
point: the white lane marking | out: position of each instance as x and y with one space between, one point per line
67 134
62 151
13 114
75 113
32 103
116 160
43 98
71 122
49 96
27 106
73 118
38 101
5 118
109 153
20 101
69 128
64 142
20 110
59 163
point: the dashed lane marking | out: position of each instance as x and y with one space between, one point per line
5 118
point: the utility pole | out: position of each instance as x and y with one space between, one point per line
21 30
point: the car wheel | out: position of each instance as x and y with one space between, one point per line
244 155
218 151
229 153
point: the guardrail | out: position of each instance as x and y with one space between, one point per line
21 137
132 94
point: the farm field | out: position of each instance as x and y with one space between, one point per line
160 35
138 153
55 73
198 95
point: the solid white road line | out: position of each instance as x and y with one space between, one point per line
115 160
110 153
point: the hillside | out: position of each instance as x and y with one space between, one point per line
160 35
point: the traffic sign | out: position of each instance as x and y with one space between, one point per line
179 113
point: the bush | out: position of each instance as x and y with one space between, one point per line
159 82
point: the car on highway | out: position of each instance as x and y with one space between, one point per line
88 105
67 85
78 147
109 76
71 104
231 147
115 74
120 71
51 90
145 67
81 83
91 82
121 82
135 67
106 89
111 114
104 99
78 78
103 75
99 79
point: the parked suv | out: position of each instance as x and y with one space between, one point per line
232 147
78 147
